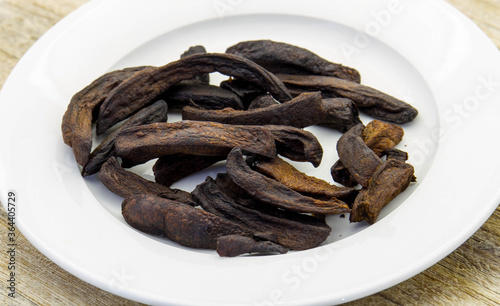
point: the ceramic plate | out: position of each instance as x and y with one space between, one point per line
423 52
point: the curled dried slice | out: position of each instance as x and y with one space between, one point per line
369 100
235 245
305 110
201 78
341 175
293 231
169 169
296 144
274 193
243 89
397 154
157 112
142 143
390 179
205 96
77 120
357 157
262 101
302 111
279 57
291 142
288 175
147 85
125 183
179 222
379 136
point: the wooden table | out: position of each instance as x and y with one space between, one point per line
468 276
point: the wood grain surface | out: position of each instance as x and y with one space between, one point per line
468 276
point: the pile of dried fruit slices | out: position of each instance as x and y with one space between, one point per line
254 121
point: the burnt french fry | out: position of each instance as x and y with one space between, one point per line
235 245
357 157
288 175
205 96
140 144
305 110
390 179
297 231
157 112
147 85
369 100
274 193
125 183
181 223
279 57
77 120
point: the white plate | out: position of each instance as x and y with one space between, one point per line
424 52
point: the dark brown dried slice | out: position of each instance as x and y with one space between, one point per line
197 228
291 142
201 78
198 49
125 183
288 175
205 96
243 89
240 196
296 144
169 169
393 153
295 231
340 114
341 175
262 101
378 136
369 100
279 57
235 245
390 179
181 223
146 213
274 193
147 85
302 111
81 112
357 157
157 112
305 110
140 144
